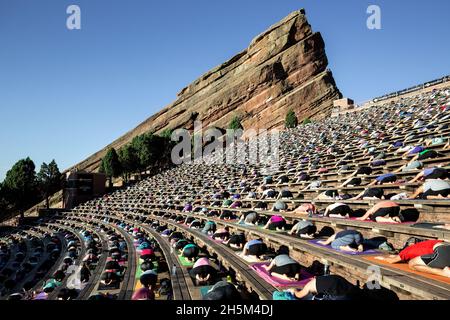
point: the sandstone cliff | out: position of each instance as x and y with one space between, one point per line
284 67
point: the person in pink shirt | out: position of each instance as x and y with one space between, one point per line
275 222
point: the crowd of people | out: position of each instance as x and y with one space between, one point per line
370 166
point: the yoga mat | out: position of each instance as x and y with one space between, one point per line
428 225
185 263
41 296
405 267
370 251
276 282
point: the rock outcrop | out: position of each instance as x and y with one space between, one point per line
284 67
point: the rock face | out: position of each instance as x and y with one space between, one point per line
284 67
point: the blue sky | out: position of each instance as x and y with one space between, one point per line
66 94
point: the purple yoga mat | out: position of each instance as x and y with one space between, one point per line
370 251
276 282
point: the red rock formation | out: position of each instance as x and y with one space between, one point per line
284 67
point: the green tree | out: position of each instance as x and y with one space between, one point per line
4 205
148 149
166 134
111 165
101 168
306 121
291 120
129 161
49 180
235 123
20 183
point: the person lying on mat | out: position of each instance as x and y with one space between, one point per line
283 266
236 240
223 291
195 224
306 208
369 194
276 222
304 229
437 263
255 248
433 189
347 240
222 234
329 287
431 173
361 171
190 252
227 215
279 206
384 211
109 278
249 218
387 178
338 210
209 228
411 251
203 271
149 279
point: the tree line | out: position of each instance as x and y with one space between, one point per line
145 152
23 186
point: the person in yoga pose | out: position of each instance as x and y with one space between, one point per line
148 280
283 266
222 234
347 240
370 194
236 240
190 252
330 287
385 211
437 263
411 251
202 271
361 171
386 178
433 189
223 291
209 228
275 222
306 208
304 229
431 173
338 210
195 224
249 218
255 248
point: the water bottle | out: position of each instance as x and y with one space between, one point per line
174 270
326 269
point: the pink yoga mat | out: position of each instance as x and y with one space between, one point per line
276 282
370 251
